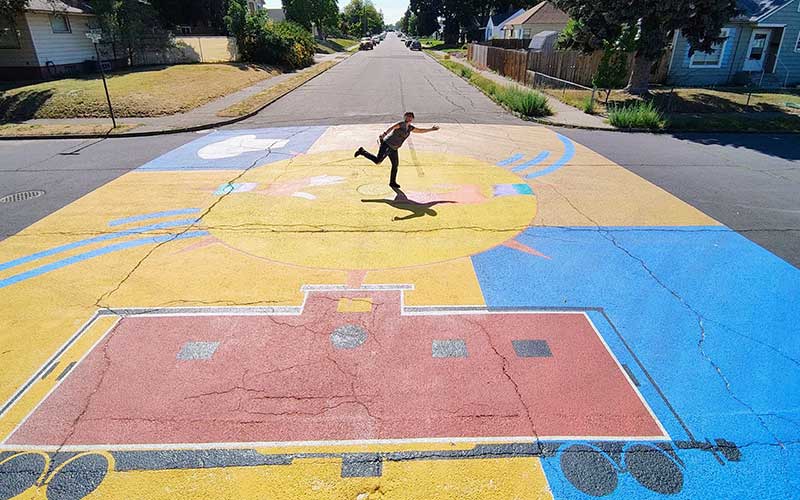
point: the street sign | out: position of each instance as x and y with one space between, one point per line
94 35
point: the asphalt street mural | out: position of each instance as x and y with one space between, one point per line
256 314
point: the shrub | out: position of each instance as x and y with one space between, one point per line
636 115
587 105
524 101
263 41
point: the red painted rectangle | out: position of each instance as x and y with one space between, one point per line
279 378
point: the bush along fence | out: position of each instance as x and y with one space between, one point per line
570 65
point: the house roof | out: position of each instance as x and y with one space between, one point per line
541 13
276 14
66 6
501 17
754 9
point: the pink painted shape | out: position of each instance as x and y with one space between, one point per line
516 245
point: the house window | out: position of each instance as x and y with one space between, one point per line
60 23
714 58
8 34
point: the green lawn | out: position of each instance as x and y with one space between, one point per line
149 91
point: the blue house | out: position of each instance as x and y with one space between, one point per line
494 25
760 46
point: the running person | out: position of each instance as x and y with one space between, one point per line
398 133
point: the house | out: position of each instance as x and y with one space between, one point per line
276 15
254 5
761 46
48 39
495 23
543 16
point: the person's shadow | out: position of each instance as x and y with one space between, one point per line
417 209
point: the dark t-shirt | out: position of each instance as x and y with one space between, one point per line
399 136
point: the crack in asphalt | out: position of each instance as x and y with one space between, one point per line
517 390
698 316
254 164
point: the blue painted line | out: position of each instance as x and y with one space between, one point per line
510 160
97 253
569 152
96 239
532 163
154 215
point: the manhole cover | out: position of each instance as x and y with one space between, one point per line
21 196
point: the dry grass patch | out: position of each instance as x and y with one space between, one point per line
23 129
151 91
265 97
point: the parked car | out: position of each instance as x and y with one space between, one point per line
415 45
366 44
408 42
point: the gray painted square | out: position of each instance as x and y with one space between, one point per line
449 348
362 465
532 348
197 350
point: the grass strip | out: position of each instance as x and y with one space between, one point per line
24 129
265 97
526 102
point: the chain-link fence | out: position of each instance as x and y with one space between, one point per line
571 93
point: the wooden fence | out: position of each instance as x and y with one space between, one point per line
508 43
569 65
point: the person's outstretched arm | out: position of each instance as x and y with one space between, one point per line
420 130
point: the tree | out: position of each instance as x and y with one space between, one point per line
208 14
10 8
362 18
322 13
700 21
129 25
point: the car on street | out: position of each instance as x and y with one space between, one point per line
415 45
366 44
408 42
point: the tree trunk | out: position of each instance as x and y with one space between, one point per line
639 82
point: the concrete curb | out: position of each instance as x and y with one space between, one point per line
151 133
615 129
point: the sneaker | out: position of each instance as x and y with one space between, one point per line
358 152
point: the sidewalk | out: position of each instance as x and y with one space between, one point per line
563 114
197 117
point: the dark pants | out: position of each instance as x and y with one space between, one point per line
383 152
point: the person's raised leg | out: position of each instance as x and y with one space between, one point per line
374 159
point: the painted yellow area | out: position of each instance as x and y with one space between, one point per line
500 479
460 287
355 305
310 212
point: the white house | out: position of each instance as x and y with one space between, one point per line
494 26
48 39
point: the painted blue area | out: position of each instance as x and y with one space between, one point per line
542 156
97 253
91 241
511 159
186 157
569 152
154 215
712 317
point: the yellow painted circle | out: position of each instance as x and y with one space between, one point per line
316 211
